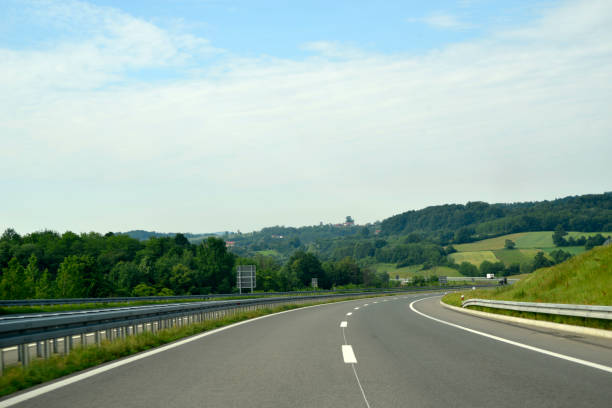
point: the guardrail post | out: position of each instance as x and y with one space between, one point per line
46 349
1 361
39 352
55 346
25 358
83 340
97 337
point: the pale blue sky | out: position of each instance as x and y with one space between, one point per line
222 115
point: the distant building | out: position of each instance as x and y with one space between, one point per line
230 244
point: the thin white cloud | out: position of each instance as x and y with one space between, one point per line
269 141
334 50
443 21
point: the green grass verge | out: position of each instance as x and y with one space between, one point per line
584 279
17 378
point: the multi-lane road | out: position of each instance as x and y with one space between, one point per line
402 351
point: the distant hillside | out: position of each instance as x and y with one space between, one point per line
143 235
463 223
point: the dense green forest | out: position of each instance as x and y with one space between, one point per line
47 264
477 220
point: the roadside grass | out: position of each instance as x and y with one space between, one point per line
17 378
584 279
474 257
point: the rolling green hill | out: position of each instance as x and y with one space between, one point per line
585 279
528 244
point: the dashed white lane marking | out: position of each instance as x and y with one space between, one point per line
366 304
514 343
356 308
349 313
375 302
348 355
78 377
343 324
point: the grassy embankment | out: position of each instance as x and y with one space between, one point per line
585 279
17 378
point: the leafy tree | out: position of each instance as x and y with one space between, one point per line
12 283
77 277
509 244
559 255
31 277
183 279
540 261
306 266
44 287
463 235
468 269
180 240
558 235
142 289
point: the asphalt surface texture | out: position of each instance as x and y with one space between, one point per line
404 359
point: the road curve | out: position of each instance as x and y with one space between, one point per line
403 358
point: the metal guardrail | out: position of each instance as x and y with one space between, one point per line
57 333
68 301
595 312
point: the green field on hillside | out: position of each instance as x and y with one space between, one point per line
510 256
413 270
543 239
474 257
490 244
527 246
270 252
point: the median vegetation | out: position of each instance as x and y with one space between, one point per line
584 279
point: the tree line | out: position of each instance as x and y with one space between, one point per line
46 264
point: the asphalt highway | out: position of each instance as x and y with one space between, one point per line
304 358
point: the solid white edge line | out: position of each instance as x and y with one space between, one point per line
27 395
514 343
348 355
343 324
